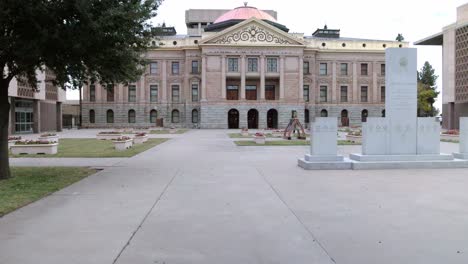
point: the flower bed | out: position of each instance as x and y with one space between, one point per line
49 137
354 139
34 147
12 141
259 138
111 135
123 143
244 132
140 138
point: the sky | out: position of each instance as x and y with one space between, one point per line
372 19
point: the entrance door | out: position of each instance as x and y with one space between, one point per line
364 115
252 118
344 118
272 118
233 118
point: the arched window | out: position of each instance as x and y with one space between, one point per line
131 116
194 116
306 116
175 116
364 115
92 116
324 113
153 116
110 116
383 113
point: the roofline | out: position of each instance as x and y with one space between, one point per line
433 40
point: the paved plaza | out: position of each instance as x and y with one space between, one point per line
199 198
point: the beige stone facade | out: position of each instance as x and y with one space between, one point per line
251 74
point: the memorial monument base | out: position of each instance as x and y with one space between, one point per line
463 156
413 163
310 162
397 158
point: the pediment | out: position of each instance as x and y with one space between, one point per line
252 32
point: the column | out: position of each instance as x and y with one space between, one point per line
262 77
223 77
164 82
142 90
375 89
199 29
203 86
59 116
282 88
243 77
333 88
37 116
355 84
301 80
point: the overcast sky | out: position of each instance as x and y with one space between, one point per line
374 19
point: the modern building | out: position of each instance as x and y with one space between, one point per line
35 111
454 42
242 68
71 114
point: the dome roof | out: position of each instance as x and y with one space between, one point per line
243 13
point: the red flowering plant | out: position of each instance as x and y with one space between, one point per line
48 135
14 138
33 142
259 134
122 139
140 134
110 133
451 132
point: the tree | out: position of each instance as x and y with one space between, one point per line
78 40
400 37
427 91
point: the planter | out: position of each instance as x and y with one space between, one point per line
259 140
172 131
108 136
354 139
34 149
11 143
140 140
54 139
123 145
244 133
449 137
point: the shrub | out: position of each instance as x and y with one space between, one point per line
110 133
14 138
140 134
48 135
122 139
33 142
259 134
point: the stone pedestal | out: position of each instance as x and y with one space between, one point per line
463 154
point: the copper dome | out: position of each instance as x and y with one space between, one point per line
243 13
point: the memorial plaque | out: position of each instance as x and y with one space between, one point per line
323 139
464 135
375 136
428 136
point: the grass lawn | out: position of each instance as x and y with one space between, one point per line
287 143
166 131
239 135
29 184
450 140
93 148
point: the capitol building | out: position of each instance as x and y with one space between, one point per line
243 68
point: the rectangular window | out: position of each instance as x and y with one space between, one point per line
92 93
233 64
382 94
269 92
252 64
344 69
132 93
251 92
175 93
232 92
110 93
344 94
323 94
306 68
323 69
272 65
194 92
153 67
364 70
363 94
175 67
153 93
382 69
195 67
306 93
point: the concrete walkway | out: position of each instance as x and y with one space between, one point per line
200 199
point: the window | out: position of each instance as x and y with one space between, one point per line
153 116
306 93
92 93
153 93
324 113
232 92
269 92
364 70
252 64
175 116
272 65
153 67
132 93
382 69
364 94
233 64
175 93
364 115
110 116
131 116
92 116
251 92
175 67
382 94
306 68
194 92
195 67
306 116
194 116
323 69
344 68
323 93
344 94
110 93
